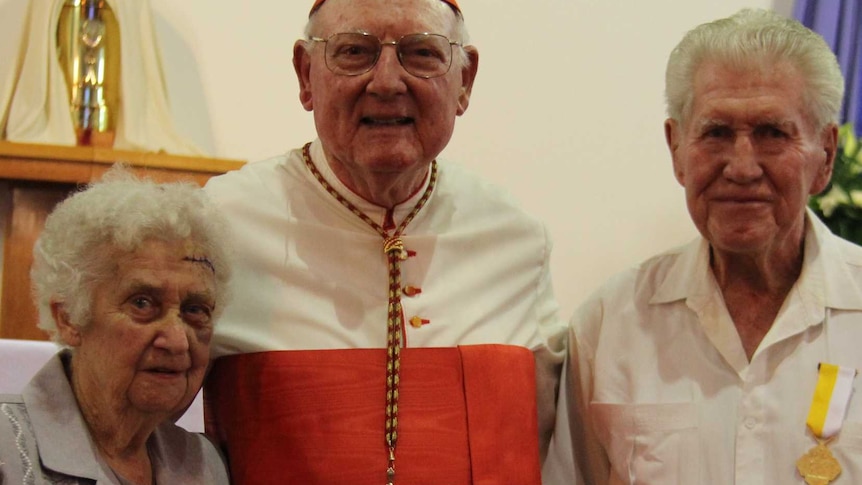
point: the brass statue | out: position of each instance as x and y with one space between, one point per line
88 49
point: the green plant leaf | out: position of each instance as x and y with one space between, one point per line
840 205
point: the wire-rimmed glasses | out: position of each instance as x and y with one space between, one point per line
423 55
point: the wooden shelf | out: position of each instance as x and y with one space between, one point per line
38 177
80 165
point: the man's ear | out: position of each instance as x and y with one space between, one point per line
829 140
69 333
672 133
468 76
302 66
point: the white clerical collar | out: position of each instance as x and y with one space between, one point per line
374 211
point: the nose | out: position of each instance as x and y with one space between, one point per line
173 335
742 165
387 75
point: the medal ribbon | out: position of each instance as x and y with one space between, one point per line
831 397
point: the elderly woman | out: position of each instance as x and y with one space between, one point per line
129 276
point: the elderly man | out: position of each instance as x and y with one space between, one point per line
717 362
386 303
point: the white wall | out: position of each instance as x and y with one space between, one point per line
567 109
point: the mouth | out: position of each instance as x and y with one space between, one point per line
742 204
741 197
167 371
741 200
399 121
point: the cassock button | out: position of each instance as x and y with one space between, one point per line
412 290
418 321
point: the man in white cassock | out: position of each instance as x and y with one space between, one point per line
393 312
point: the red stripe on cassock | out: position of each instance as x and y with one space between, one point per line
467 416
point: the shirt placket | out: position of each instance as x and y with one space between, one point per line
750 419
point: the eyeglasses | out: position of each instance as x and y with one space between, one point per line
422 55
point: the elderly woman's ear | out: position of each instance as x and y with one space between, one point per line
69 333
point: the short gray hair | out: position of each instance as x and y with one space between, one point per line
460 58
750 38
121 212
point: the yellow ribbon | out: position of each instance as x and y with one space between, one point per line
831 397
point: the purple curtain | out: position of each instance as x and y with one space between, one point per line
838 21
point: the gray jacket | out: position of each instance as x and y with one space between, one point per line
44 440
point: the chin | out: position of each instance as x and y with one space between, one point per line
393 151
741 243
389 162
164 402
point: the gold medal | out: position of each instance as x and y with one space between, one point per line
818 466
828 407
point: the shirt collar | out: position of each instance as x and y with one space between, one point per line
690 277
827 271
57 422
375 212
65 442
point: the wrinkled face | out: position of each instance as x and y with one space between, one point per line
749 156
147 347
386 119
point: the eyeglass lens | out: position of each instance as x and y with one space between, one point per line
423 55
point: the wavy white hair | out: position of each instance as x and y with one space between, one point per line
752 38
77 249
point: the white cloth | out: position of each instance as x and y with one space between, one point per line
311 275
34 103
660 377
20 360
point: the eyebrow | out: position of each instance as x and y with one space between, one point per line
141 286
710 122
769 121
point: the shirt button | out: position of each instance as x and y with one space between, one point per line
418 321
750 422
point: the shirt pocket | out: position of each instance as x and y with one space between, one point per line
650 443
848 451
850 437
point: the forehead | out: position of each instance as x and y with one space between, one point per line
385 18
180 261
771 90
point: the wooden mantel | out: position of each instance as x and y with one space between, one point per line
80 165
38 177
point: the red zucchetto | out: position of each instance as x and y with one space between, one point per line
318 3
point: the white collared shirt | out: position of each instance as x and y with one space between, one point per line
666 390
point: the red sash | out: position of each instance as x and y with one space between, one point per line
466 415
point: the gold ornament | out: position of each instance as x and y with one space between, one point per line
818 466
